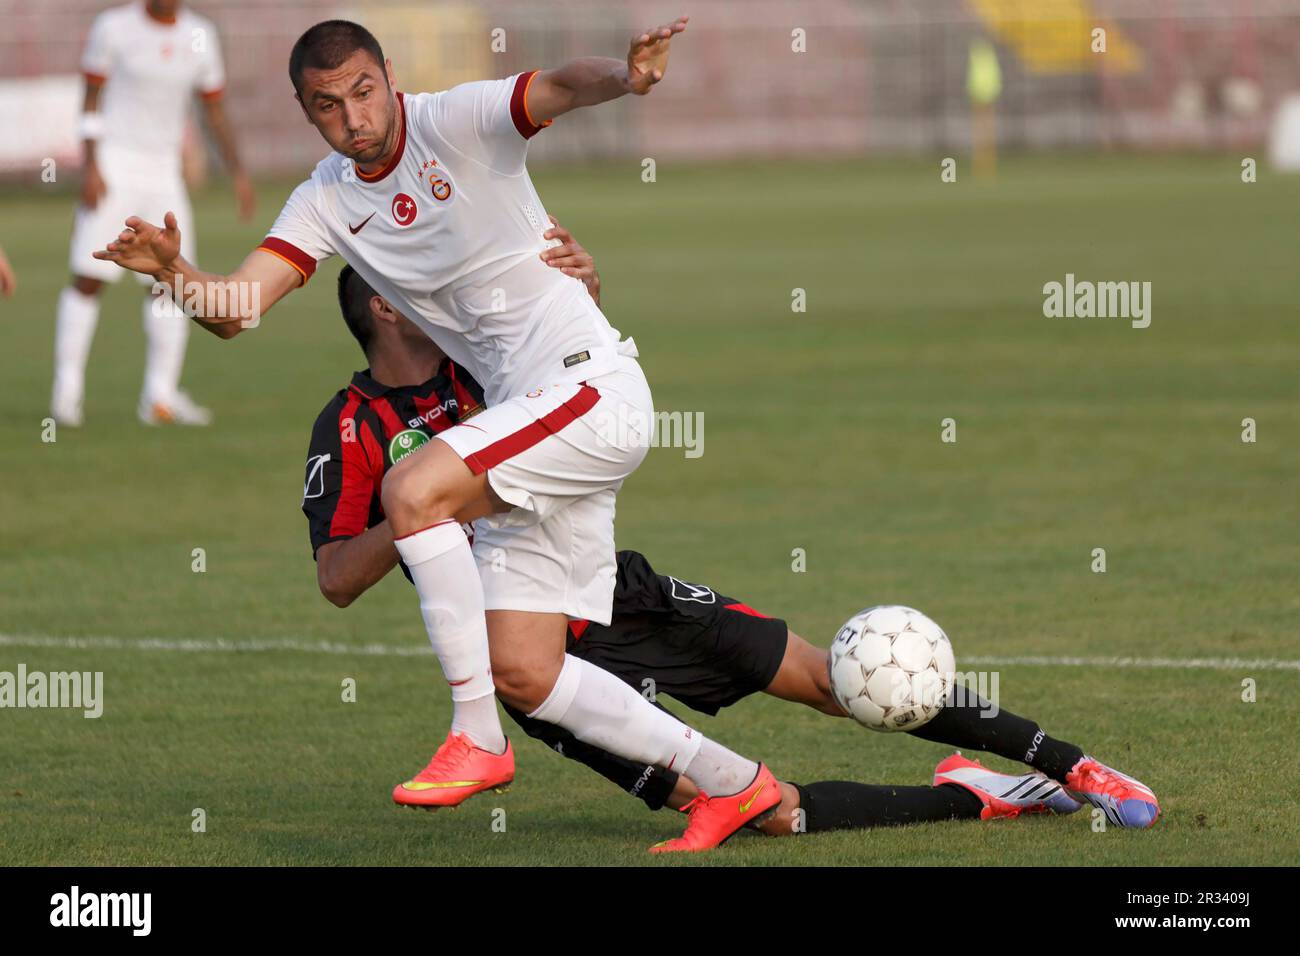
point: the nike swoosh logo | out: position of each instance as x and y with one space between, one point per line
457 683
356 229
744 807
440 785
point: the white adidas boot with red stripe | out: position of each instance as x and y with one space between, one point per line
1005 794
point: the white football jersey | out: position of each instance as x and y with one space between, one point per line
449 233
150 72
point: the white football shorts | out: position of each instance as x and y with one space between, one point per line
559 455
134 189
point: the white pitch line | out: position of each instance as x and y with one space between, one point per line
1174 663
224 645
218 645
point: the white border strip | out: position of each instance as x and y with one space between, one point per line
270 645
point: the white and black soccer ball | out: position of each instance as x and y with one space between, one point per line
891 668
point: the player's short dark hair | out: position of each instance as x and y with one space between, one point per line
354 302
328 44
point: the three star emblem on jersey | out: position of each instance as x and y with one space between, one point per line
404 209
438 179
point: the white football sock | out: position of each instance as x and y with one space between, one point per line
478 720
74 329
451 601
601 710
719 772
166 330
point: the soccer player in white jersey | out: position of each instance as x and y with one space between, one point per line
143 63
428 198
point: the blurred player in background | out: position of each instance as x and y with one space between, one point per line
8 281
142 63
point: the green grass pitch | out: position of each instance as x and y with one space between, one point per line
822 433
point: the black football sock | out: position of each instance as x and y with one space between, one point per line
844 805
973 724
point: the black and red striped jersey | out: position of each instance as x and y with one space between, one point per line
364 430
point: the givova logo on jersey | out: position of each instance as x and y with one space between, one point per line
434 413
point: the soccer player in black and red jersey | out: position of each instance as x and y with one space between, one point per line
685 640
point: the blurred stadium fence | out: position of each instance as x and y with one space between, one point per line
755 78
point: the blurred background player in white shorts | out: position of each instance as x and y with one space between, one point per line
143 63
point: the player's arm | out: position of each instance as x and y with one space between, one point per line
343 471
93 187
99 60
223 304
210 84
214 109
345 570
592 80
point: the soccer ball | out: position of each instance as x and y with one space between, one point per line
891 668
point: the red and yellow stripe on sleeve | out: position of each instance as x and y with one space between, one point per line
291 254
519 107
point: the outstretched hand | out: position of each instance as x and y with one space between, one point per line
647 59
143 247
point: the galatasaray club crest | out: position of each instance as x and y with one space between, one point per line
404 443
403 209
439 180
